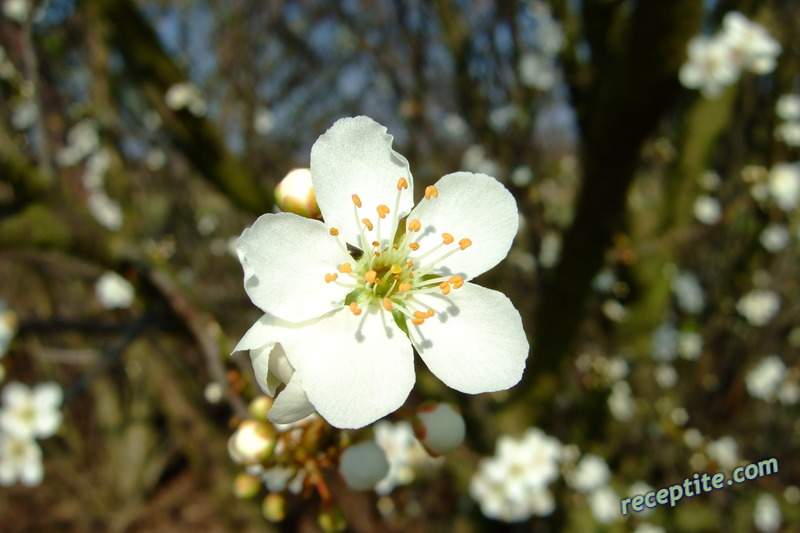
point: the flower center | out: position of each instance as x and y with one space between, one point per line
389 272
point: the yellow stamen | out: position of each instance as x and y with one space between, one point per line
367 223
448 239
414 246
420 314
396 269
402 184
382 211
445 288
430 313
456 281
346 268
387 304
414 225
331 277
395 246
404 287
410 264
355 309
334 232
464 243
356 200
375 244
418 321
411 275
370 276
430 190
377 254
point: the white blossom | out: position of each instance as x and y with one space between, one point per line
707 209
620 401
591 473
664 343
263 121
8 328
82 140
604 504
31 413
20 460
690 345
788 107
339 326
789 132
767 514
759 306
753 47
363 465
405 454
113 291
537 71
16 10
440 428
783 185
688 293
710 66
186 95
724 451
763 380
774 237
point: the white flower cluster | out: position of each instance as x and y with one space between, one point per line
788 110
591 476
16 10
783 185
759 306
404 452
113 291
537 67
26 415
688 293
716 62
512 485
187 96
770 380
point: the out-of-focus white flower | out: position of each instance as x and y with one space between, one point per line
604 504
8 327
20 460
688 293
710 66
537 71
263 121
549 35
614 310
475 159
710 180
252 442
369 321
501 117
789 393
404 452
155 159
759 306
774 238
512 485
664 343
783 183
31 413
767 514
679 416
666 375
363 465
106 211
692 438
295 194
604 280
649 528
788 107
113 291
440 428
591 473
550 249
97 165
24 115
753 47
763 380
16 10
522 176
186 95
707 209
620 401
724 451
82 140
454 126
690 345
789 132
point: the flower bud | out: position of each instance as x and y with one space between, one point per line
440 428
331 521
245 485
260 406
295 194
363 465
252 442
274 507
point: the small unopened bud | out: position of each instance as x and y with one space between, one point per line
295 194
331 521
245 485
252 442
260 406
440 428
274 507
363 465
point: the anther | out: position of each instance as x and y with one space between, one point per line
456 281
396 269
346 268
445 288
356 200
376 244
404 287
402 184
334 232
414 246
421 314
377 254
414 225
367 223
395 246
430 190
382 211
387 304
355 309
331 277
464 243
417 321
370 276
430 313
410 264
447 238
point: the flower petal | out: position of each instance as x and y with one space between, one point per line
355 369
48 395
472 206
285 258
355 156
291 404
475 341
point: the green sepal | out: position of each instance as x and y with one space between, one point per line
400 320
352 297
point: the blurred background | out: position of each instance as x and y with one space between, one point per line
652 148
